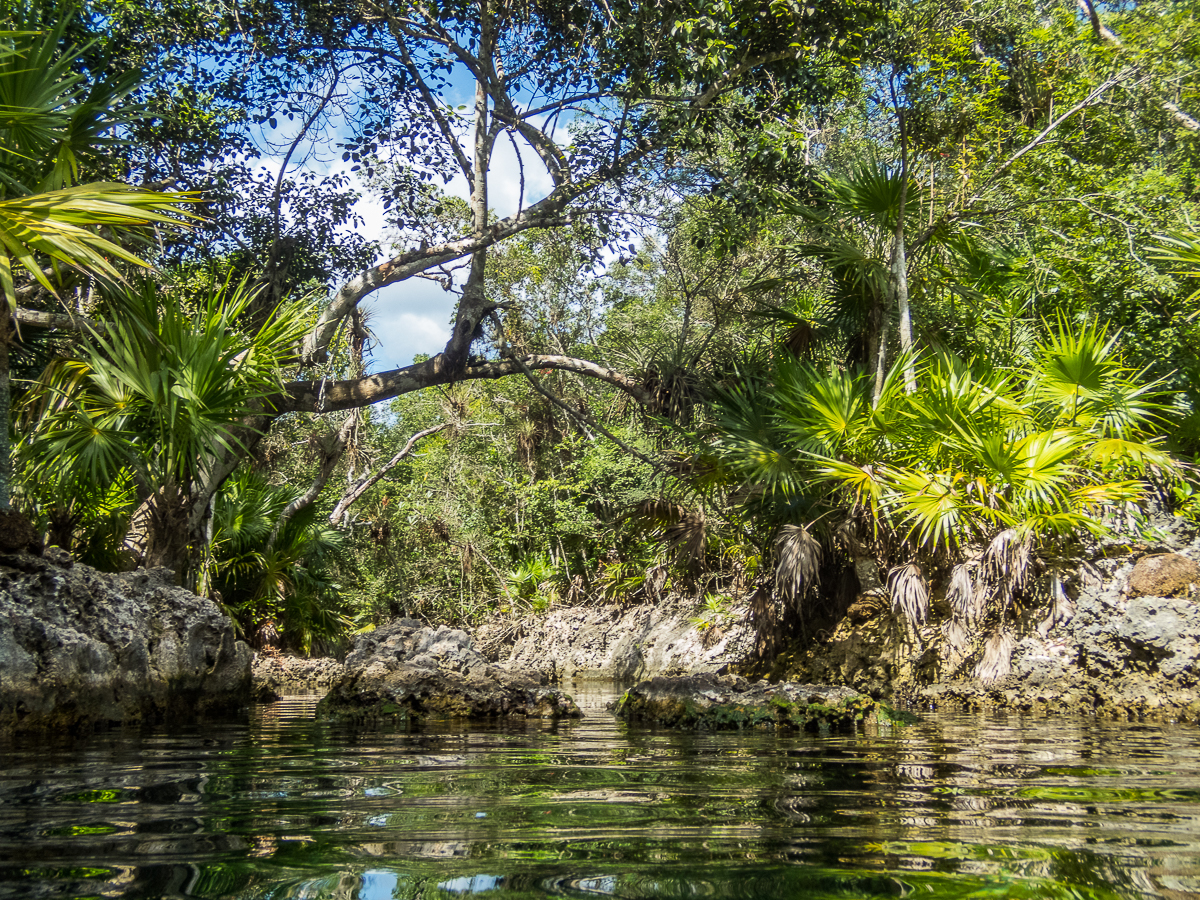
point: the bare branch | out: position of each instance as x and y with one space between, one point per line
331 450
311 396
366 483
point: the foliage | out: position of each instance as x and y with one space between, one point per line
147 396
286 583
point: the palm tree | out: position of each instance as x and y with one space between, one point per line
854 254
151 397
978 469
50 121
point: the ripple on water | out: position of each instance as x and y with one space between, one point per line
284 807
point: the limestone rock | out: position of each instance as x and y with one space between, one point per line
1164 575
405 672
275 676
619 642
716 702
79 648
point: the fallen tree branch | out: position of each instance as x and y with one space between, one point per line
324 395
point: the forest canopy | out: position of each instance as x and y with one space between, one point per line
794 301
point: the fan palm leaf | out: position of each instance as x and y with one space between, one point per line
56 226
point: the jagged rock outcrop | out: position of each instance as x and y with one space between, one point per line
276 676
1123 640
722 702
405 672
80 648
619 642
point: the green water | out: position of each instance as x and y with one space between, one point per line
280 807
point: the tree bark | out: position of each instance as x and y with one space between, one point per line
326 396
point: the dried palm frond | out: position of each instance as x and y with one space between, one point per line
656 579
997 657
910 595
656 512
797 563
958 640
688 540
1006 564
965 598
1061 608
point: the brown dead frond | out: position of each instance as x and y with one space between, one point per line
1061 608
965 597
958 640
797 563
997 656
1006 565
910 595
687 540
655 512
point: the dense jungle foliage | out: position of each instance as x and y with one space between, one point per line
883 296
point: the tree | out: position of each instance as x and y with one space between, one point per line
149 397
48 122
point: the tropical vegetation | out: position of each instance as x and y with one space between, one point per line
763 307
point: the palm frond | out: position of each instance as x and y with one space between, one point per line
909 593
965 598
56 226
797 563
1006 563
996 662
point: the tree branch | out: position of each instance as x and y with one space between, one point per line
366 483
1103 33
332 448
326 396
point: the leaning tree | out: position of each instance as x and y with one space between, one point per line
602 98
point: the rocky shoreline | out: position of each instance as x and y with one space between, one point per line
1118 636
279 675
1122 640
619 642
730 702
406 673
80 649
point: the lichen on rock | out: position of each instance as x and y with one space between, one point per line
731 702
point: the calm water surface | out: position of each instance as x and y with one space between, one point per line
280 807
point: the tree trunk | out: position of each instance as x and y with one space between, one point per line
5 404
168 538
897 298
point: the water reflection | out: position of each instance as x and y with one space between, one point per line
284 808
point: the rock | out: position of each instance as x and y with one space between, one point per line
619 642
405 672
1164 575
81 649
17 533
714 702
276 676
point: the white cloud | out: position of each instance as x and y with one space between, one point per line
408 318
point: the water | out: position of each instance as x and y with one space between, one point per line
280 807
